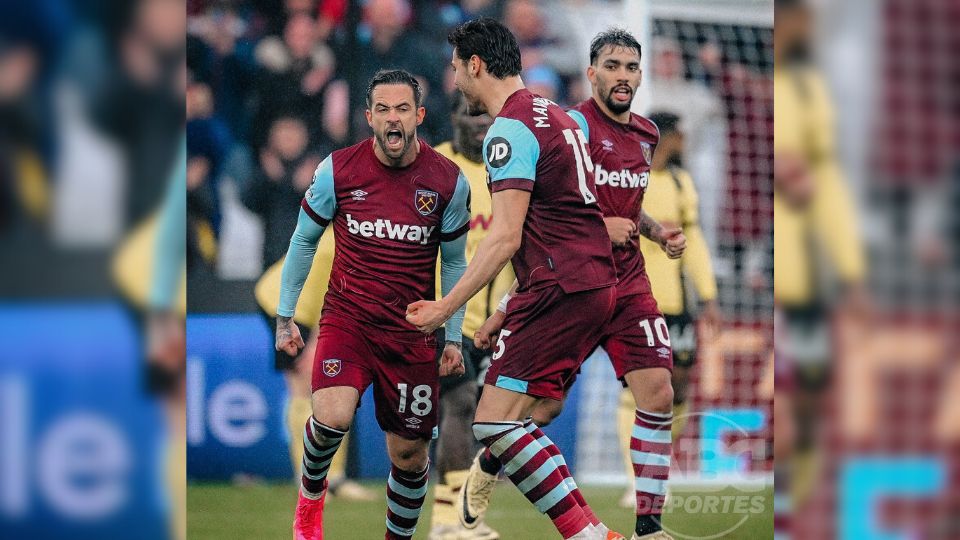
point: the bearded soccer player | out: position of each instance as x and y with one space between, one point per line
546 219
637 340
393 202
458 395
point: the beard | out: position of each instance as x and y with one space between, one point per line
381 139
616 106
475 107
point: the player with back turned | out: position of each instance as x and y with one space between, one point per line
545 218
637 340
393 203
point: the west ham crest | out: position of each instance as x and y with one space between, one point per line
331 367
647 151
425 201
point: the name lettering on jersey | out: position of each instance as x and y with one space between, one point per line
498 153
384 228
623 178
540 108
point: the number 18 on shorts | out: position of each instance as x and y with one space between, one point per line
403 373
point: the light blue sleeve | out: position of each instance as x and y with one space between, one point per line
511 151
317 209
297 263
453 263
456 217
581 121
321 198
170 250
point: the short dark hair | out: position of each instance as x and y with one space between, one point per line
395 76
667 122
492 42
616 37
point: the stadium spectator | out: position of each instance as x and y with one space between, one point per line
208 141
542 37
274 192
384 40
295 72
543 81
220 47
207 145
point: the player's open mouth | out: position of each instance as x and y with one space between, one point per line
394 139
622 93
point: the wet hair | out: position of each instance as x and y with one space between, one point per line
492 42
395 76
616 37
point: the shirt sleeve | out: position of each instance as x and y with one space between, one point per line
170 249
511 152
581 121
456 217
320 200
453 263
317 209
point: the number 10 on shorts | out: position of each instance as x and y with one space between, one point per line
421 404
663 334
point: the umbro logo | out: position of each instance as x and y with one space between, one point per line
414 420
607 144
359 195
663 352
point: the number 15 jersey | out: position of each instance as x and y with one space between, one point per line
534 145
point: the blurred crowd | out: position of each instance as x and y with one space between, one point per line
275 85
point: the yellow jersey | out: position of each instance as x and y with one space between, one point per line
671 199
828 225
481 215
137 253
267 290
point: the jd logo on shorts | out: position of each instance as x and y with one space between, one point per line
331 367
425 201
498 152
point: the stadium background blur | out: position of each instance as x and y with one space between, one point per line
85 141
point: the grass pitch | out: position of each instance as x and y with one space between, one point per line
265 512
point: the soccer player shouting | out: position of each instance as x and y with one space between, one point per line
546 219
392 201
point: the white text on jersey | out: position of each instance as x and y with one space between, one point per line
384 228
623 178
540 107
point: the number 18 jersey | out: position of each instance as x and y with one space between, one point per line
534 145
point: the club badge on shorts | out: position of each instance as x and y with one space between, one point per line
331 367
425 201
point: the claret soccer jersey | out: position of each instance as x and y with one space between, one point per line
535 146
388 223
